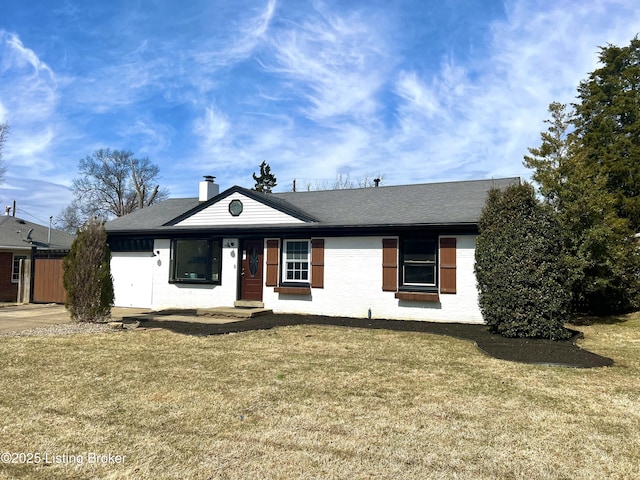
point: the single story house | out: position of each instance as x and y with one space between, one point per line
401 252
22 240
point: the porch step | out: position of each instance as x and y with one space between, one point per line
248 304
233 312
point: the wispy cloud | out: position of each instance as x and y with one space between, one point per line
251 31
152 137
212 127
142 65
485 114
29 100
337 64
465 119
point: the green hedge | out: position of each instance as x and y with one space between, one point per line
522 281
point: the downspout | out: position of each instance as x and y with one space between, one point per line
155 263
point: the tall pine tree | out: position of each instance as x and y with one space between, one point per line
607 124
588 168
266 181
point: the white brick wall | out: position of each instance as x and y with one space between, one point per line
352 284
143 281
175 295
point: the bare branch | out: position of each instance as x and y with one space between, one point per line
113 183
154 194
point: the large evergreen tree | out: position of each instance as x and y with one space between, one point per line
588 168
607 123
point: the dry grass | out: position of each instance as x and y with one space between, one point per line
317 402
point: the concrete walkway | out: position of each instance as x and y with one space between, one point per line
15 317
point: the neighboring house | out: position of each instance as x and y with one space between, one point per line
401 252
21 239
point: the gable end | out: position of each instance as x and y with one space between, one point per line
273 203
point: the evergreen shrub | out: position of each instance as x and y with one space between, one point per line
522 282
87 275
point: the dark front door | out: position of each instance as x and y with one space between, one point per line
251 270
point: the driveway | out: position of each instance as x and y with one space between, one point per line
22 317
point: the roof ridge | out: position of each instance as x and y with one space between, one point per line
403 185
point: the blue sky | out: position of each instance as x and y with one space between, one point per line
416 91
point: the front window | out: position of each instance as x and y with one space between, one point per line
419 262
296 261
15 274
196 261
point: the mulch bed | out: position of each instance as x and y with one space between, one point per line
534 351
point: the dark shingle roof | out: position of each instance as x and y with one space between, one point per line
427 203
153 216
446 203
22 234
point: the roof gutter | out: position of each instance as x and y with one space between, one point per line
15 247
305 229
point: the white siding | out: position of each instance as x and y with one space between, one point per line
253 213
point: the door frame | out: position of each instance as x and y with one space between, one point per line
241 261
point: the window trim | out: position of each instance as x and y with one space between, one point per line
211 241
418 287
15 272
295 283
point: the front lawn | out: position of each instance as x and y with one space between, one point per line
314 402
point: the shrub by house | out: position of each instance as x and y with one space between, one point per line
87 275
522 283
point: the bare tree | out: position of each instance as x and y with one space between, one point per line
143 176
368 180
70 220
112 183
343 182
4 132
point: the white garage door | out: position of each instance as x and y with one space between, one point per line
132 279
